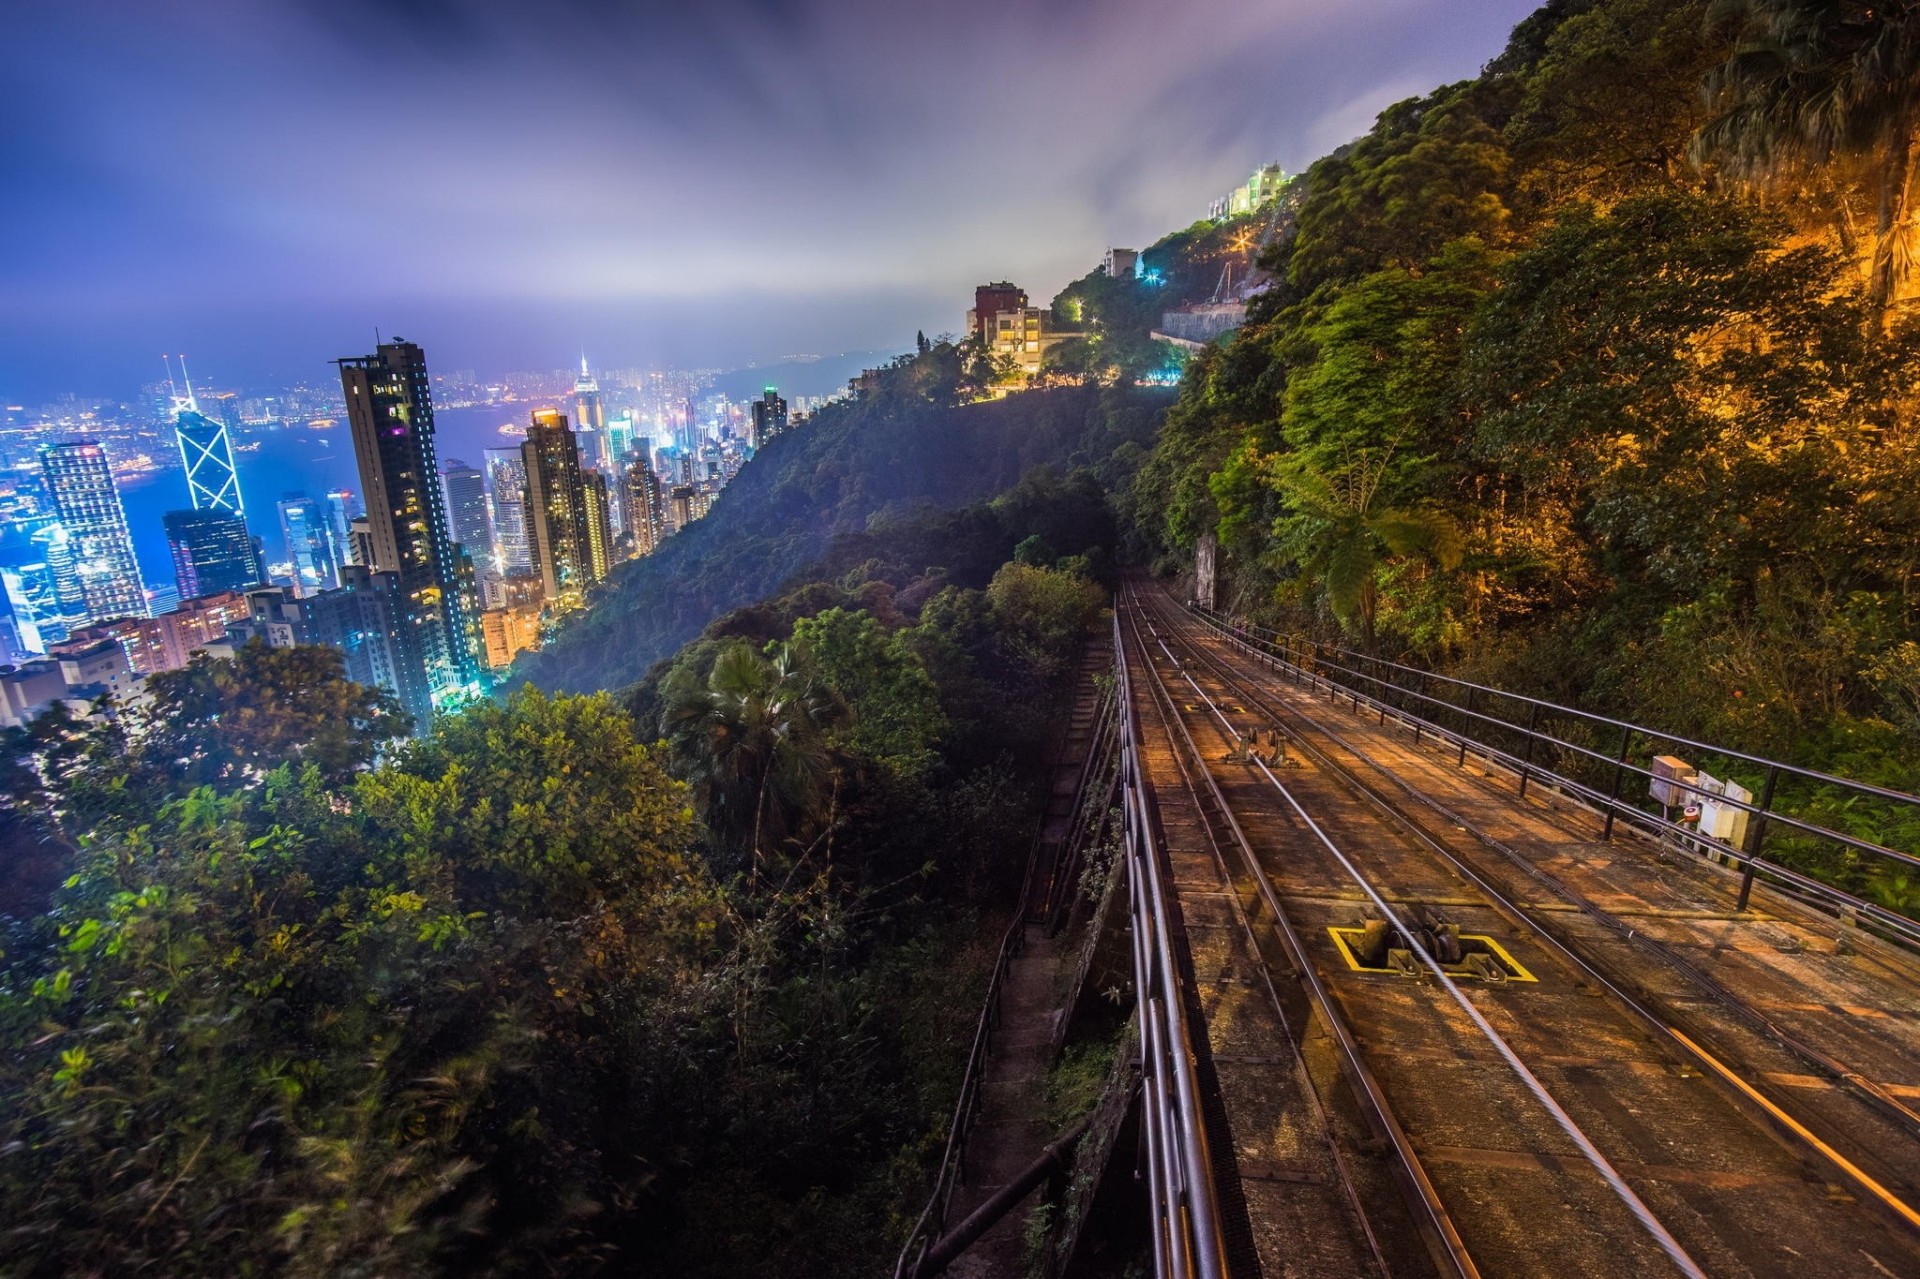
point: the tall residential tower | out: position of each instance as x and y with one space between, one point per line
81 482
560 534
390 410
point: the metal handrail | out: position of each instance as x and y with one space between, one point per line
1187 1237
953 1160
1304 656
1592 717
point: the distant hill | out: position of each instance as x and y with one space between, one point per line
801 375
853 463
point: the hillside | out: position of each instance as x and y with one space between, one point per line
898 447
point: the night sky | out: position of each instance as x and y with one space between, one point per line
712 182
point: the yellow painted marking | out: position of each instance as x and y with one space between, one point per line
1517 971
1799 1129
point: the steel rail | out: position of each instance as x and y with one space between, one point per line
1655 1228
1867 1089
1435 1225
1611 805
1746 1091
1188 1240
1773 816
1814 775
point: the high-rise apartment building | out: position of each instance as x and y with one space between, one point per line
360 541
558 533
599 523
212 552
646 513
508 631
305 524
769 418
681 511
80 481
390 408
507 500
466 491
366 620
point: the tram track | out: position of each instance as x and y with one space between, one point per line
1882 1128
1301 834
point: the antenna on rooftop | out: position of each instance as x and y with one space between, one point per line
187 378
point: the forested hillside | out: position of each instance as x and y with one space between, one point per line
905 443
1587 376
1590 376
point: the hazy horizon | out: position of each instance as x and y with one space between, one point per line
261 185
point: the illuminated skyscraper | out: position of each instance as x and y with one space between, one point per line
81 482
305 524
588 412
212 551
593 486
644 507
769 418
206 449
507 498
620 433
558 533
467 511
390 409
342 506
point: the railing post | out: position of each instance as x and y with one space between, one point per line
1613 795
1421 714
1466 722
1756 836
1526 762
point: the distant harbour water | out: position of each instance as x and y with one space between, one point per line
294 460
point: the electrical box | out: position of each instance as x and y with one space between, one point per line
1719 820
1671 776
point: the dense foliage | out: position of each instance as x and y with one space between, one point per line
515 998
1534 396
907 442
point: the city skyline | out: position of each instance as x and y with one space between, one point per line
185 223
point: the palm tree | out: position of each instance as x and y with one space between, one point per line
1814 82
1344 532
751 739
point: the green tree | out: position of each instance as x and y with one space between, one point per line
226 721
1338 528
1042 613
893 710
752 738
404 1026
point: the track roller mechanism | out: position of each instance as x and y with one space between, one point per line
1378 947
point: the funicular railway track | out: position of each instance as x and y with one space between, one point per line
1537 1115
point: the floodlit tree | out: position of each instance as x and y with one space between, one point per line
1339 529
1808 83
